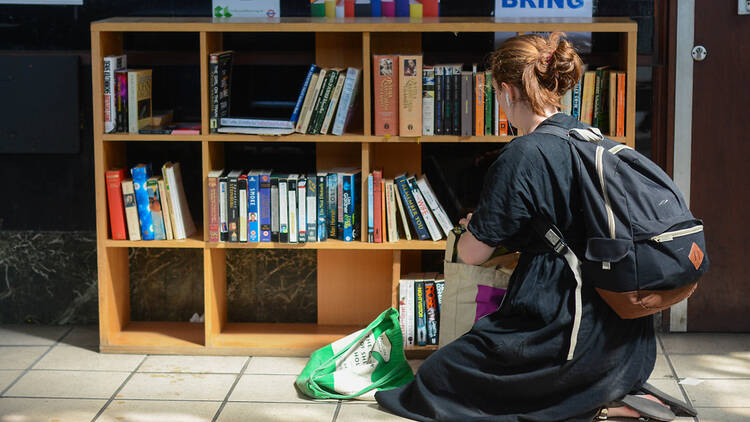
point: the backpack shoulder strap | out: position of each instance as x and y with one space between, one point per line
589 134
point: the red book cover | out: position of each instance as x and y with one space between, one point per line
116 205
349 8
621 104
213 205
377 178
385 86
430 8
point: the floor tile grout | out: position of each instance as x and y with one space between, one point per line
112 397
231 389
676 377
26 371
336 412
104 399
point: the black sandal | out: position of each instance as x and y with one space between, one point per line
679 407
645 407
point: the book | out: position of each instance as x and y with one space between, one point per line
420 318
340 205
302 208
456 106
317 8
612 103
415 8
385 92
315 109
349 8
332 106
312 208
479 91
167 196
304 123
292 204
321 197
340 9
502 122
140 174
131 210
302 95
114 179
402 8
376 8
139 99
383 228
223 208
348 101
322 107
428 100
377 177
401 211
467 104
430 8
388 8
154 206
111 65
166 211
307 102
233 206
437 210
621 103
587 97
220 78
431 311
351 183
575 102
489 101
330 6
424 209
601 96
447 100
439 288
390 205
121 103
253 213
331 205
370 209
410 95
270 131
362 8
566 102
242 216
406 310
266 207
213 205
411 208
260 123
283 209
439 103
496 118
183 218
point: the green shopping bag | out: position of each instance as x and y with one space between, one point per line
358 365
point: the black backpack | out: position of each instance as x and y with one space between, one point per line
644 250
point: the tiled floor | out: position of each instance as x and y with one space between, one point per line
56 374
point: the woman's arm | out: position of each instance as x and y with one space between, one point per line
471 250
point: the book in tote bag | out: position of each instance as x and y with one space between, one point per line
471 291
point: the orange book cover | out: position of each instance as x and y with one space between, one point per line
410 95
385 88
479 104
621 104
587 99
612 103
116 205
502 122
383 227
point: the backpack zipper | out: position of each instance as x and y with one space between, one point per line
607 204
669 236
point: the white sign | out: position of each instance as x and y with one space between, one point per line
547 9
245 8
44 2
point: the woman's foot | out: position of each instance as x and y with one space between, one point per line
627 412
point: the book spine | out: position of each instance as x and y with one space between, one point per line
302 93
307 104
479 104
404 314
122 101
139 109
347 195
223 212
253 215
410 95
377 177
335 97
184 221
575 102
402 8
489 100
322 215
456 109
587 97
448 100
356 205
213 209
330 6
315 111
292 214
283 211
437 209
242 216
140 175
111 65
383 226
238 122
331 205
385 94
598 99
467 104
312 208
420 319
621 104
320 114
265 205
157 219
428 101
225 83
496 117
318 9
166 209
232 209
340 206
376 8
348 101
308 116
131 210
401 212
132 102
439 288
424 210
349 8
439 103
411 208
502 122
430 299
370 209
612 103
362 8
391 211
302 209
115 201
340 9
430 8
213 97
388 8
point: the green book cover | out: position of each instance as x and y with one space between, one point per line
326 100
318 102
489 100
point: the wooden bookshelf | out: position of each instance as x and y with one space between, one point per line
346 270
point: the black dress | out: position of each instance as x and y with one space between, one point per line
512 365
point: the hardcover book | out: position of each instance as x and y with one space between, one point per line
439 103
621 103
410 95
385 86
139 99
587 97
115 201
140 174
131 210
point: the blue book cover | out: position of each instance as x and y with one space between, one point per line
370 224
356 179
332 204
303 91
253 222
140 174
347 198
322 210
154 205
376 12
411 208
402 8
264 181
420 319
576 101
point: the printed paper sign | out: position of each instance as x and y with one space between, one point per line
245 8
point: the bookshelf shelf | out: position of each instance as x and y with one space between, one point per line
368 272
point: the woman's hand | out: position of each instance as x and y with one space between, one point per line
464 222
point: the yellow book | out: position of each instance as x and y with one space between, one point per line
587 103
415 10
612 93
330 8
410 95
139 99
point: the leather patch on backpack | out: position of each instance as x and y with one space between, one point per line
696 256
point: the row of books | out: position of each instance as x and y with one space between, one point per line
420 298
154 207
454 101
325 104
264 206
411 198
127 96
374 8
